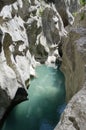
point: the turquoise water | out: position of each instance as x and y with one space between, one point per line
46 102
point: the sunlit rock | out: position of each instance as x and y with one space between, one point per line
6 2
24 43
31 31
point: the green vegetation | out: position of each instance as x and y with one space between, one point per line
82 2
74 14
40 11
82 16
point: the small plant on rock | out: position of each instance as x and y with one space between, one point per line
83 2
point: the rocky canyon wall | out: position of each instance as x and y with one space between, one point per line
73 48
30 31
74 69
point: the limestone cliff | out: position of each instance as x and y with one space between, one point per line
74 69
30 32
74 55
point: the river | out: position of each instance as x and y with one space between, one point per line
46 102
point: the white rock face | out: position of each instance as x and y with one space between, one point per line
31 31
23 40
8 78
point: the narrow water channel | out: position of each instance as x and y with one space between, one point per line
46 102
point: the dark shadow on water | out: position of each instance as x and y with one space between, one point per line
45 105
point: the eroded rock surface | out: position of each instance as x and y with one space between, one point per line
23 43
74 116
74 69
74 54
30 32
6 2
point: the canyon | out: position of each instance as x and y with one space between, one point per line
34 32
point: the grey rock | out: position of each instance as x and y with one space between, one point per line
4 102
23 11
31 32
53 30
74 55
38 50
49 26
10 78
74 116
74 69
73 63
65 7
1 34
23 40
74 5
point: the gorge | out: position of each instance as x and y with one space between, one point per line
48 32
46 102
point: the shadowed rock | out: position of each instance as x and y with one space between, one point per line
74 68
1 34
6 2
65 7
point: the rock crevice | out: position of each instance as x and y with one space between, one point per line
30 33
